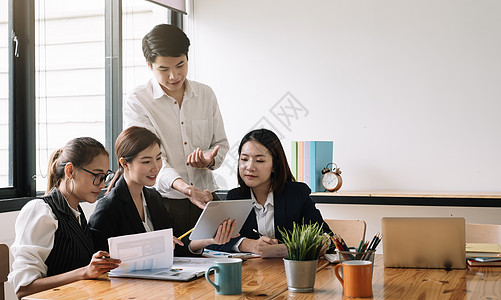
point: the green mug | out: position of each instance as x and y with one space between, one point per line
227 276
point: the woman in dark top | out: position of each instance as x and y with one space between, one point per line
53 244
131 207
264 176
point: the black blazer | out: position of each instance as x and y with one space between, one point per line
292 205
116 215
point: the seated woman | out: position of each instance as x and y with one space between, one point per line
130 207
265 177
53 244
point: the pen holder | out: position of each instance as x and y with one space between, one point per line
353 255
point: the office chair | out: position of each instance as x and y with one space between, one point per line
352 231
4 268
483 233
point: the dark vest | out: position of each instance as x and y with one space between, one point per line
73 246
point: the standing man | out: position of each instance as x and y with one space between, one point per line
185 115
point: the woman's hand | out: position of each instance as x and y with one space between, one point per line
177 241
256 246
224 232
99 264
223 235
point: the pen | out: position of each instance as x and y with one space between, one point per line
260 235
186 233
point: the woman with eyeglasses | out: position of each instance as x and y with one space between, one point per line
53 244
131 207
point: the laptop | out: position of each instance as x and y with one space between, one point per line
412 242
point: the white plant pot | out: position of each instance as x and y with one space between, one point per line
300 275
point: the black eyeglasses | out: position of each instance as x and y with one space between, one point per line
100 177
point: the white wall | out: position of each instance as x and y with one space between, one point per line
407 90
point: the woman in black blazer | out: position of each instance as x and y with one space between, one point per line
130 207
264 176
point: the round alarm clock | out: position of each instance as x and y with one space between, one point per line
331 179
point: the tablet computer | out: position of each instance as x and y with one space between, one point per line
216 212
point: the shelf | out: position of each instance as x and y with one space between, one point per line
411 199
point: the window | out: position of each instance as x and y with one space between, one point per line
5 180
69 63
59 82
70 68
138 18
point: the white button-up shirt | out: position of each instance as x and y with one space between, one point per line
265 216
198 123
35 228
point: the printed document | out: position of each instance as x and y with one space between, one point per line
143 251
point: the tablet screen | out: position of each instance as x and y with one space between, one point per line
216 212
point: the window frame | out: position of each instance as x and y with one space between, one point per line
22 110
22 114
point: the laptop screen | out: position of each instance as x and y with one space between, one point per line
412 242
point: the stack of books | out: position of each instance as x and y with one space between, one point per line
308 159
483 254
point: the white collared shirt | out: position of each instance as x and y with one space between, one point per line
265 218
35 228
148 224
198 123
265 215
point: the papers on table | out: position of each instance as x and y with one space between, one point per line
183 269
277 250
150 255
221 254
143 251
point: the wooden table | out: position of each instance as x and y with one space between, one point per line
265 279
408 284
261 278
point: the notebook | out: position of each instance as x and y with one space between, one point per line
410 242
183 269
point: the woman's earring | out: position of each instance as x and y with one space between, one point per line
66 186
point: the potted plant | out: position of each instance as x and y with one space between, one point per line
304 246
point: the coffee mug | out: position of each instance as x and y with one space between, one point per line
227 276
357 278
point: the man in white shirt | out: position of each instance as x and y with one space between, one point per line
185 115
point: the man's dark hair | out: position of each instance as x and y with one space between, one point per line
165 40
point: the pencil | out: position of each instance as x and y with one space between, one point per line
186 233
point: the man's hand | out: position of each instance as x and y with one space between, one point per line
202 160
197 196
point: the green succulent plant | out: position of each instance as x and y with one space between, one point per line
304 241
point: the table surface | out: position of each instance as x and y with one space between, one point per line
265 279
